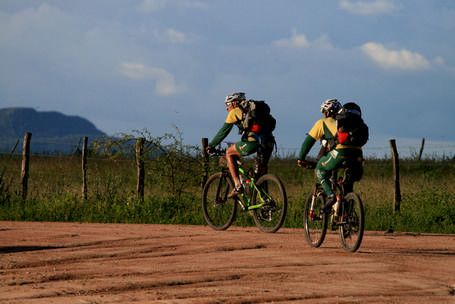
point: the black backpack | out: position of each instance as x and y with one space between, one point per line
349 119
257 112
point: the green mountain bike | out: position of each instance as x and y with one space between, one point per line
265 198
347 215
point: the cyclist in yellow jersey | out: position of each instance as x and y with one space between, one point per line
248 144
325 129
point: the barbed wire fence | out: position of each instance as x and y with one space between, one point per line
166 156
433 150
174 156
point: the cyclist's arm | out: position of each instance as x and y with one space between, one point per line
222 133
315 134
306 146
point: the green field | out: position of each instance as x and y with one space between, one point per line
173 191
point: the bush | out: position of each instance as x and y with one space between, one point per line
173 190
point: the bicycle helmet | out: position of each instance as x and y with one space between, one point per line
330 106
237 96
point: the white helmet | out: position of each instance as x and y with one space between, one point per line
237 96
330 106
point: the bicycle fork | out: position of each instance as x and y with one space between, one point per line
312 214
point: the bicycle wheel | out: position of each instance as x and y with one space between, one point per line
270 217
315 221
219 210
351 232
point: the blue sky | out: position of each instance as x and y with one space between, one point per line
152 64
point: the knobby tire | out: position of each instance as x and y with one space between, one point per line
315 222
351 233
219 210
270 217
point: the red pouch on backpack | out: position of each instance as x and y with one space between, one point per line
342 137
256 128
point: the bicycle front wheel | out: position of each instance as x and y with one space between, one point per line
315 221
351 231
271 193
219 210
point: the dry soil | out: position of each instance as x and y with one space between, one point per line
44 262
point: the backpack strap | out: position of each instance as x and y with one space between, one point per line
329 137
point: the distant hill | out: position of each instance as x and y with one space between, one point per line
51 131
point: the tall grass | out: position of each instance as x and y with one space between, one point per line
173 191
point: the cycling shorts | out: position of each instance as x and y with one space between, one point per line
245 148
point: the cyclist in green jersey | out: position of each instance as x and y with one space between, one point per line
325 129
250 141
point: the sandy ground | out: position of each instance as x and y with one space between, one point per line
114 263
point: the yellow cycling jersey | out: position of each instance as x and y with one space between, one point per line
234 116
318 131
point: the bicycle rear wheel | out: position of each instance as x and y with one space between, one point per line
219 210
315 221
351 232
270 217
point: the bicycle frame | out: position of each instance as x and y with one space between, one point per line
347 214
337 187
251 188
264 196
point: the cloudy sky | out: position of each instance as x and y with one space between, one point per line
152 64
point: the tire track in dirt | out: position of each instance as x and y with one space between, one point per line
95 263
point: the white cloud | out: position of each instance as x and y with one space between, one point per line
23 26
175 36
322 42
299 41
439 60
394 59
165 84
171 35
295 41
365 8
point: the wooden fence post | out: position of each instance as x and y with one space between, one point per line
25 164
140 168
84 168
396 173
205 159
421 148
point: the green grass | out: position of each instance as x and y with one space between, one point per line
173 192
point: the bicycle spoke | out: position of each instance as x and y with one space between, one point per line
219 211
315 222
270 217
351 233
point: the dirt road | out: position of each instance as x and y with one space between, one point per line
107 263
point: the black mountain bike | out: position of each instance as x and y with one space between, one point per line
347 215
265 198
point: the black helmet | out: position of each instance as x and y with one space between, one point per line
351 107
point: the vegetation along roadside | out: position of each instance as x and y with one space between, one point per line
172 193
